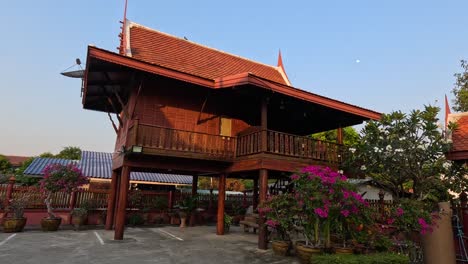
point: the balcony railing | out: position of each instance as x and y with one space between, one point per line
209 146
289 145
161 140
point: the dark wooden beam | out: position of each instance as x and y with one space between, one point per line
221 198
113 124
202 108
264 124
194 185
136 100
121 210
111 202
262 230
115 110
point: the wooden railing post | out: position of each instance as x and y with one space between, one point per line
170 200
9 193
72 204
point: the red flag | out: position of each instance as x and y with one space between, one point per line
447 111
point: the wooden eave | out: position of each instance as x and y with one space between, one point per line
224 82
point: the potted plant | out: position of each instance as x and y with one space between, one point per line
328 201
17 221
160 204
227 222
239 211
79 217
58 178
280 212
186 208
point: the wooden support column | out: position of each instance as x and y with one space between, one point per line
339 135
255 193
121 209
111 202
221 198
9 194
262 231
264 125
72 205
194 185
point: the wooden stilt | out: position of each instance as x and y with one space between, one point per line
194 185
262 231
111 202
339 135
221 198
123 192
255 193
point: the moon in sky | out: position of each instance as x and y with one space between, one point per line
358 61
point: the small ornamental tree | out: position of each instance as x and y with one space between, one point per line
406 153
57 177
327 200
279 212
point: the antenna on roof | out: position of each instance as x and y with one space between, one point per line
75 73
123 39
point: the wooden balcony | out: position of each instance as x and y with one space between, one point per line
163 141
289 145
180 143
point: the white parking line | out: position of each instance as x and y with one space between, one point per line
99 238
6 239
167 233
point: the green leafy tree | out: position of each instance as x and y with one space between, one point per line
350 136
46 155
406 152
5 165
25 179
461 89
72 153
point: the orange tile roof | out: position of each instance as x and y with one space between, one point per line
460 135
185 56
16 160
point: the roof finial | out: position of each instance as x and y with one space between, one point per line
280 60
281 67
123 44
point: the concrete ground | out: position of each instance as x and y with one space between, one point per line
141 245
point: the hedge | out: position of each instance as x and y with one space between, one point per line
378 258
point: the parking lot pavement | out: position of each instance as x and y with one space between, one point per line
141 245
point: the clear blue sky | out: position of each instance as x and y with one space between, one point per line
408 52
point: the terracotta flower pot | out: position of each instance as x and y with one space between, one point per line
183 222
344 250
280 248
50 224
305 253
12 225
79 221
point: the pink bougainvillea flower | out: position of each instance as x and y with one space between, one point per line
399 211
345 213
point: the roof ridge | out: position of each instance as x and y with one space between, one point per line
131 23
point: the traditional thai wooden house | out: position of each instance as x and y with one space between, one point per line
186 108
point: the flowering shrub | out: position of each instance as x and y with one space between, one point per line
326 199
57 177
411 215
279 211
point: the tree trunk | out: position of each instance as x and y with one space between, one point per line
49 206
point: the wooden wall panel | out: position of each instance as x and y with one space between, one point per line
179 108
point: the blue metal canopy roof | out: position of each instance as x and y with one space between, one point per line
99 165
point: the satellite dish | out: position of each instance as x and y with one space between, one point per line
76 73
